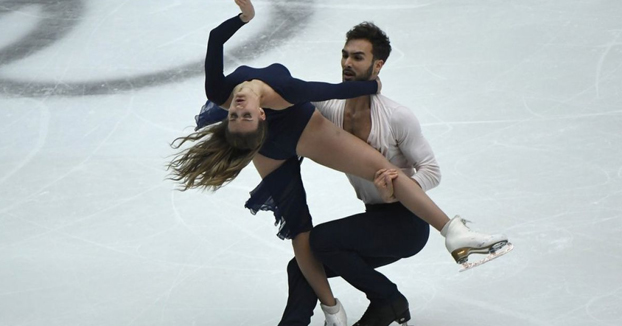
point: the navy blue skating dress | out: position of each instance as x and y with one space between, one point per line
282 190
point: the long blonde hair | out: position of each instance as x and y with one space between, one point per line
216 158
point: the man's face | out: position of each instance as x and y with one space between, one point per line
357 61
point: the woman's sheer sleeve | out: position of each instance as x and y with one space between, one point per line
298 91
214 59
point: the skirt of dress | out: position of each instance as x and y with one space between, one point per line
209 115
283 193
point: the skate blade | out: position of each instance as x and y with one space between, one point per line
498 253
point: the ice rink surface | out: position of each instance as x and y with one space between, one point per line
520 100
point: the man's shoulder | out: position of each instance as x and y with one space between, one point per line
383 98
390 107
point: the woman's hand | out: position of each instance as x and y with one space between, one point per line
379 85
384 183
248 11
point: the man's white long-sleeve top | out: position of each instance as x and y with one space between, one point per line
396 133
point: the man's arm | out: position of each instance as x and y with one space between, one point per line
416 149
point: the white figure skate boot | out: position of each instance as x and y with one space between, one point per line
461 242
335 315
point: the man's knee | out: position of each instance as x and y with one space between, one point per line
417 241
318 240
293 270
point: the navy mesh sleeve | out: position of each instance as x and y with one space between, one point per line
214 60
298 91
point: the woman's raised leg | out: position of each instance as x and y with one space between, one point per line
333 147
327 144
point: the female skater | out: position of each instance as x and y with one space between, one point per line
273 138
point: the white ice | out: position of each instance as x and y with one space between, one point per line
520 100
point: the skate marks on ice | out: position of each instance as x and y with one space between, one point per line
538 160
57 19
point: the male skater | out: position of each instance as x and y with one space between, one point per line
352 247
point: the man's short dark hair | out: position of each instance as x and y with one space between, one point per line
381 46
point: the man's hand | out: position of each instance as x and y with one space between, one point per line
384 183
248 11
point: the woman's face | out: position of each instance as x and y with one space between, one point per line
244 111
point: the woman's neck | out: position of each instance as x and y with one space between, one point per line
252 87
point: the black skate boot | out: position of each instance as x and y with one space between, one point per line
385 312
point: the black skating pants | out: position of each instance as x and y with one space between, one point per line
352 248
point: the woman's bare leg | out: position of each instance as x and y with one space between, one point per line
333 147
311 268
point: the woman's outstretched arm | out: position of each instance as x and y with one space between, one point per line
298 91
214 59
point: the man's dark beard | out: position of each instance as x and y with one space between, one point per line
367 74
